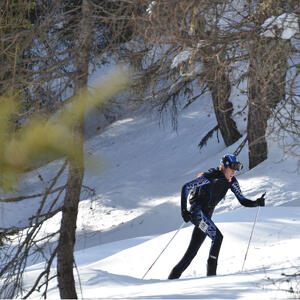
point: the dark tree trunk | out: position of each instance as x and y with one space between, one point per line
223 110
65 255
268 67
220 88
256 127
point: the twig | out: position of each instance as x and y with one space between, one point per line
45 272
207 136
240 147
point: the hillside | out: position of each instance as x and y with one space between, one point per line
135 212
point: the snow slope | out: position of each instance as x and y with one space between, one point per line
114 270
136 211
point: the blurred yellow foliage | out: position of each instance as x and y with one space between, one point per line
39 138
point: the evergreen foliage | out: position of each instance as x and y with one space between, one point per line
40 137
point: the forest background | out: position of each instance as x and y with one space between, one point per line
172 53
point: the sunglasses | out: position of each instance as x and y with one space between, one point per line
237 166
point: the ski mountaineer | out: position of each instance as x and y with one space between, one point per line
204 193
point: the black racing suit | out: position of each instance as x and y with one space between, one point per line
205 193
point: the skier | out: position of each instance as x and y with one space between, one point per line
204 193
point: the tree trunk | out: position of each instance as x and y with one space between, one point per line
257 123
268 67
220 88
65 256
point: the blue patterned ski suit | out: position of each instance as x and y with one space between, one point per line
204 193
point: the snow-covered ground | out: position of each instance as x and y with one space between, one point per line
136 211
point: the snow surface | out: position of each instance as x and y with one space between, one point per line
287 24
182 57
136 211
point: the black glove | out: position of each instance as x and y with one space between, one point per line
261 201
186 215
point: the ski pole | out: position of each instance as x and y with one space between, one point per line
251 236
164 249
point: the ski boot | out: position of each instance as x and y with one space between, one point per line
212 263
175 274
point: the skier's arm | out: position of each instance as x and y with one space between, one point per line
200 181
235 188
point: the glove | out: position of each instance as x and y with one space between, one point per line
186 215
261 201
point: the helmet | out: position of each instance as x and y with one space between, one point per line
230 161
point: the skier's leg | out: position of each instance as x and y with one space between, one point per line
216 236
197 239
212 261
